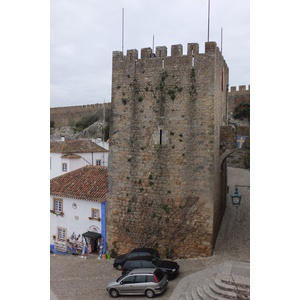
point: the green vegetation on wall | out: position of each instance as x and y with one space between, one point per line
86 122
242 110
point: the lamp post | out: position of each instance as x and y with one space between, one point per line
236 197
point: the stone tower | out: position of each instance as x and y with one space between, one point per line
166 189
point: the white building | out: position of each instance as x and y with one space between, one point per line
77 207
101 143
66 156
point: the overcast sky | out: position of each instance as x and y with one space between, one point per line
83 35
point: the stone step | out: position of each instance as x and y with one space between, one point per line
232 287
202 294
229 280
217 290
223 293
195 295
236 280
211 295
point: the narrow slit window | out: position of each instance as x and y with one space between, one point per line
163 63
223 80
160 136
193 61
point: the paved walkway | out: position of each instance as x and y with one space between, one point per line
232 249
52 296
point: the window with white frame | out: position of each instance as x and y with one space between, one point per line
61 233
64 167
98 162
95 214
58 205
57 208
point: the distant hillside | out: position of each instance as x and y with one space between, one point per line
85 121
70 115
95 130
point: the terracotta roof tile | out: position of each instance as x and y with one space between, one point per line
70 155
88 183
75 146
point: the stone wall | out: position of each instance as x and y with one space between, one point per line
238 127
165 185
235 96
228 140
69 115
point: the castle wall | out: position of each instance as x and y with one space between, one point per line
69 115
221 73
242 94
228 140
240 127
165 149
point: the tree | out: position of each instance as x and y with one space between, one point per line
150 224
242 110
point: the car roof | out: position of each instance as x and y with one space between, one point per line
144 250
142 271
144 257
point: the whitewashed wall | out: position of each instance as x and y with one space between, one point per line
75 163
101 143
74 220
55 165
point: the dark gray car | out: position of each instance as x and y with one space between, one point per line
170 268
121 259
149 282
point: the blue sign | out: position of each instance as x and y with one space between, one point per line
240 141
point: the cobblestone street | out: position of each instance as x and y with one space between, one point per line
72 277
75 278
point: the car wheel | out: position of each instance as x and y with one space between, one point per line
119 267
114 293
149 293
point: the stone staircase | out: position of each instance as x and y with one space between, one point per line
229 280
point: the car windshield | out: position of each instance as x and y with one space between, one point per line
120 278
157 262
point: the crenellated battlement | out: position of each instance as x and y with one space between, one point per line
242 88
162 52
235 96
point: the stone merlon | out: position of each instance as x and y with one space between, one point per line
161 52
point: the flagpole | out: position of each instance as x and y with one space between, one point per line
123 30
153 44
208 20
221 38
